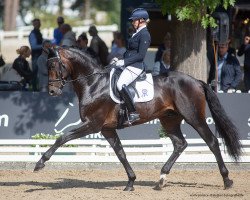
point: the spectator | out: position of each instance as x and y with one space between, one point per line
82 43
118 47
163 66
229 72
113 44
42 67
69 38
57 31
245 49
98 45
22 67
166 45
35 40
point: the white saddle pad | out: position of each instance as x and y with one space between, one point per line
144 88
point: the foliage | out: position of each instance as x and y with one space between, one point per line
162 132
43 136
194 10
112 7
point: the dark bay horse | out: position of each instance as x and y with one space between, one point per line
177 97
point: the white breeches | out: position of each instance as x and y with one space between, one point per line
128 75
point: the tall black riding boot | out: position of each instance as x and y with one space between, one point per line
126 96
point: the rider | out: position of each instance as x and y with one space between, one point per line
133 59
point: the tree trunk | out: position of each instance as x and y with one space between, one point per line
87 8
10 14
188 49
60 5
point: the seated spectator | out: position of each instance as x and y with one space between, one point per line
118 48
163 66
166 45
69 38
245 49
98 45
82 43
42 67
229 72
22 67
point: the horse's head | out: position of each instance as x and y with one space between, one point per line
69 62
57 72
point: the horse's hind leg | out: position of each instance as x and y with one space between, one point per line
59 142
113 139
172 128
195 116
213 144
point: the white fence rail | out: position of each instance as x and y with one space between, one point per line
86 150
48 32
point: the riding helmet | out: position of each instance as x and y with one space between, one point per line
139 13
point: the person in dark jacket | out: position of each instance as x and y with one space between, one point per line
133 59
229 72
21 65
166 45
82 43
245 49
162 66
99 46
35 40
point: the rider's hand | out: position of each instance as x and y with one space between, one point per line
114 60
119 63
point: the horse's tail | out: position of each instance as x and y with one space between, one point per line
227 130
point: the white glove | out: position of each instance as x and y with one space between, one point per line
231 90
114 60
120 63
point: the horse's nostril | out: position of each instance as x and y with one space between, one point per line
51 92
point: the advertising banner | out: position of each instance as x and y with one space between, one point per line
23 114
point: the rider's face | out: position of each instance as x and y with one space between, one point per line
135 23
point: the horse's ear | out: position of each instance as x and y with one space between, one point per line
52 53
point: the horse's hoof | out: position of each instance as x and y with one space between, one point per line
157 187
129 189
39 166
228 184
160 184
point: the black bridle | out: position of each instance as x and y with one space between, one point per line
62 80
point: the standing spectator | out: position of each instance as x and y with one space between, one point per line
22 67
82 43
229 72
163 66
42 67
35 40
57 31
166 45
118 48
69 38
245 49
98 45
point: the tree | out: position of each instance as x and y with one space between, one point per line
188 50
10 13
112 7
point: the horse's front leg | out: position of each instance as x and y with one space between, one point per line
113 139
80 132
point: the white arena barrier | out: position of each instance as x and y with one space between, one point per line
99 151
